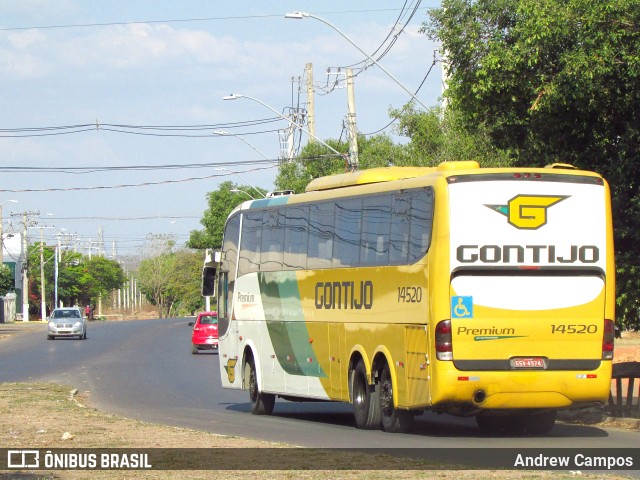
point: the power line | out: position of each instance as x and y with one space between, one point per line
391 38
416 92
146 217
128 185
183 20
111 168
152 130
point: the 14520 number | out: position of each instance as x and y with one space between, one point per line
409 294
577 328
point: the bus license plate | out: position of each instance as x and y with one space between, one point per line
528 362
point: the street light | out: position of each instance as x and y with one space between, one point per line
235 96
227 134
237 190
1 238
301 15
238 175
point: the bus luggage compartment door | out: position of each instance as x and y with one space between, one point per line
418 365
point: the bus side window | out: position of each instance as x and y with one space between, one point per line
271 253
376 230
296 233
321 233
401 227
251 241
421 223
346 248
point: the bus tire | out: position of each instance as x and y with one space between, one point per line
261 403
366 407
537 423
393 420
495 424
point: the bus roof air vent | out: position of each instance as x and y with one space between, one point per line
280 193
459 165
567 166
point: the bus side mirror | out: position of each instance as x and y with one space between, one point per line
208 281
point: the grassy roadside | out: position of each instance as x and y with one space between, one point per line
44 415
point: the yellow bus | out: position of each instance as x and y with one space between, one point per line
485 292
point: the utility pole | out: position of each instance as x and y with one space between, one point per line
55 276
27 221
25 276
351 122
43 303
311 115
101 251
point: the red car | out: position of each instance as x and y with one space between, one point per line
205 332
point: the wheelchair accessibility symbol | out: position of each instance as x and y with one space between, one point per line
461 307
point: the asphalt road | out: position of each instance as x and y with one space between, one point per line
144 369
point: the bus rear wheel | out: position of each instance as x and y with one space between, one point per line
393 420
366 407
261 403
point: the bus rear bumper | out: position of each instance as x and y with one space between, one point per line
520 390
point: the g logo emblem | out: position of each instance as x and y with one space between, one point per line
230 367
528 212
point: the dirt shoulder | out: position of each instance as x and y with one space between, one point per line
51 416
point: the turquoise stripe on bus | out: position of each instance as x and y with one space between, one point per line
269 202
286 325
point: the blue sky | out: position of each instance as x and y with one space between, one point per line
100 66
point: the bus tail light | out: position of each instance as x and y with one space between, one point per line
444 347
607 341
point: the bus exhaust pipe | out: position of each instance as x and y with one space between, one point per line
479 396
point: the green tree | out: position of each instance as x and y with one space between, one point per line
170 279
103 276
7 282
81 280
155 270
315 160
555 81
154 280
184 285
441 136
72 276
220 204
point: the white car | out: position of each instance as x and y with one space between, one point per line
67 322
